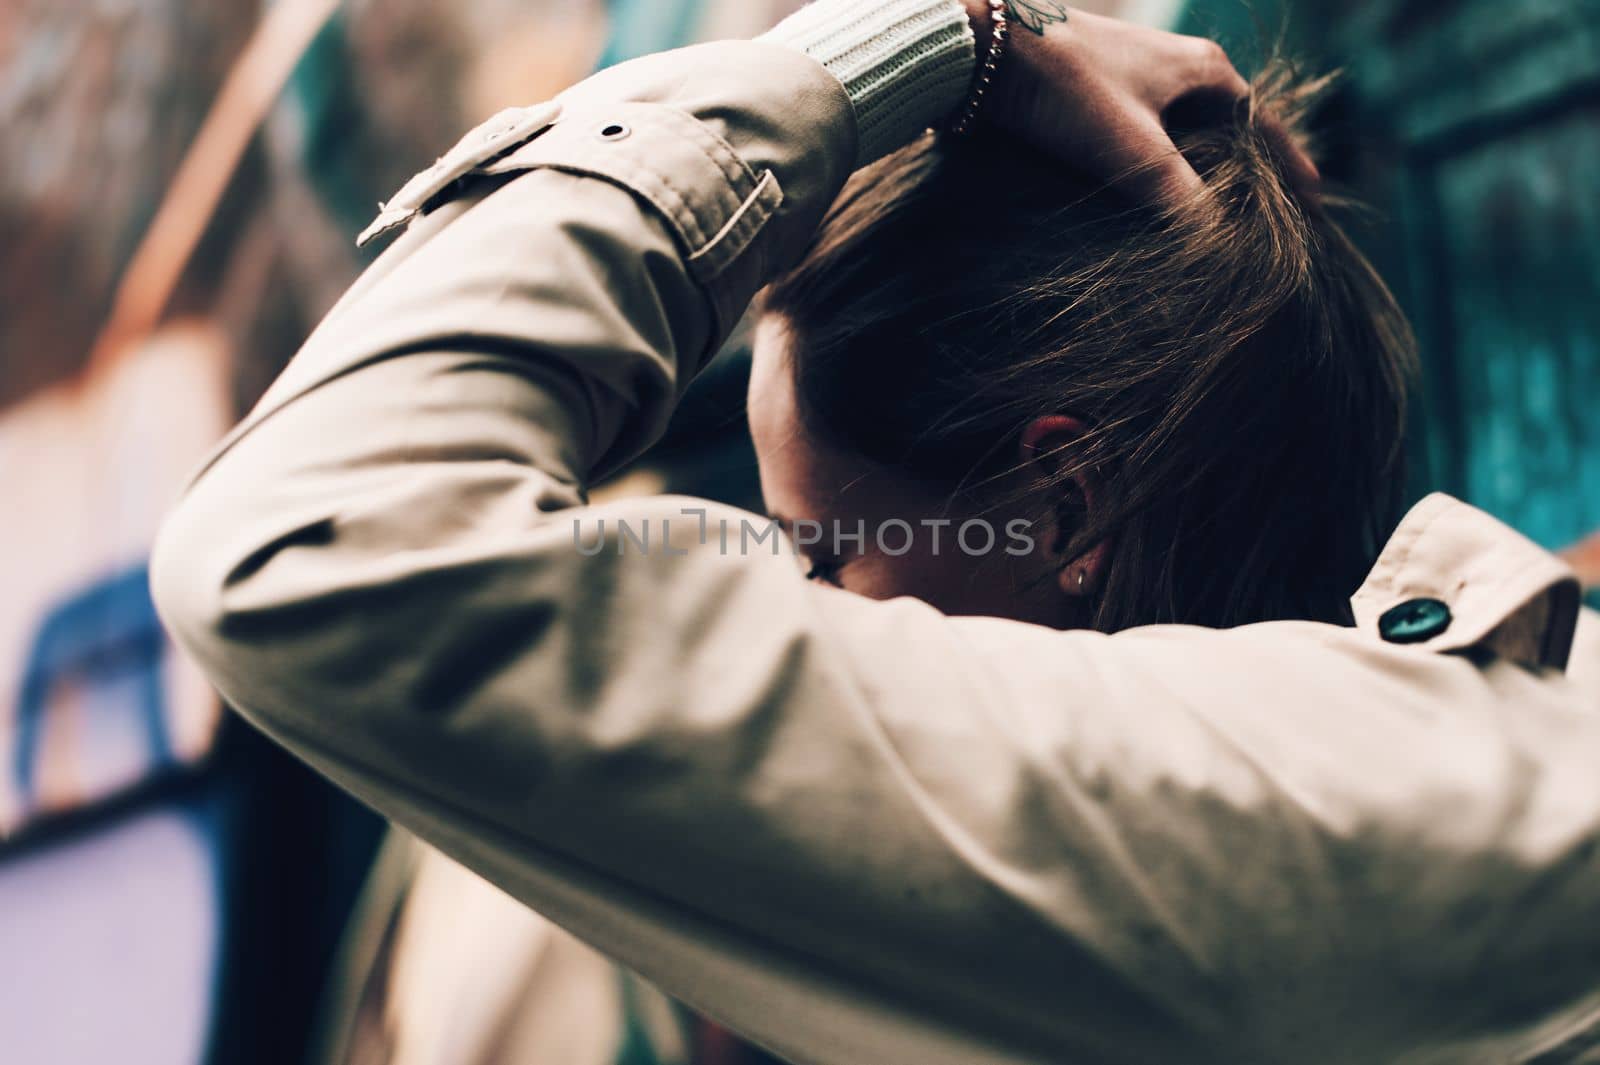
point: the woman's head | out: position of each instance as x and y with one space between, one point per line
1199 411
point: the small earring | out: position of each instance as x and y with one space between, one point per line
1080 580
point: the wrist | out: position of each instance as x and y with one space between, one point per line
992 53
979 18
905 64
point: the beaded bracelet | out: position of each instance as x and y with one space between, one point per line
998 31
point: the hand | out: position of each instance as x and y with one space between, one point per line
1092 90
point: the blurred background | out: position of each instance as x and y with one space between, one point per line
180 184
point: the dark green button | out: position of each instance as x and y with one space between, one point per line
1414 620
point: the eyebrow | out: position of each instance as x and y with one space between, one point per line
786 524
816 552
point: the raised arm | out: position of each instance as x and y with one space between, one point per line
856 831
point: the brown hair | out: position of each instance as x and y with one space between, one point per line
1241 364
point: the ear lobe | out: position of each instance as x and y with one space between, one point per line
1047 442
1083 575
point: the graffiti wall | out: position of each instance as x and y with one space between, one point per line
1485 235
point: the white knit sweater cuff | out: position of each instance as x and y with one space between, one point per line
905 64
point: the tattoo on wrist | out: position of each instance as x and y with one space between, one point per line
1035 15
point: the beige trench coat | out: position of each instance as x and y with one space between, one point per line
860 832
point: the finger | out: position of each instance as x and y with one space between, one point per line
1144 163
1302 169
1203 66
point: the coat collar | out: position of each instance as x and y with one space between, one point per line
1499 591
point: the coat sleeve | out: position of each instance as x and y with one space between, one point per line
855 831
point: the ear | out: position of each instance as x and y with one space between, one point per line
1046 447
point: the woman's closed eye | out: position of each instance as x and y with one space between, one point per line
825 570
814 565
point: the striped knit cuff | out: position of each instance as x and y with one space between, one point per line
906 64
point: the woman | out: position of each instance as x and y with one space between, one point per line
1198 416
863 830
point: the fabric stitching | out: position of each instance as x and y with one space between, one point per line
741 228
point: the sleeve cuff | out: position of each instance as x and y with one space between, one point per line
905 64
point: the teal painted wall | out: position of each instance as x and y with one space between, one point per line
1474 130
